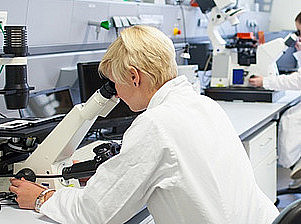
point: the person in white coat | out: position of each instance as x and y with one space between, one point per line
289 147
181 157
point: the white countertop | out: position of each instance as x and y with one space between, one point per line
245 117
10 214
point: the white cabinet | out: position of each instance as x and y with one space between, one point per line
261 149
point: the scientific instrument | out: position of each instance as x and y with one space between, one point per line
54 153
234 64
16 89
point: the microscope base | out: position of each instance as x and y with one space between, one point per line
247 94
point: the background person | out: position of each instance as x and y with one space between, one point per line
289 147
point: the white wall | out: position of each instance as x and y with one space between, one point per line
283 14
61 24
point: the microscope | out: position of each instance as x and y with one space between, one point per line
233 64
53 154
50 164
13 61
16 89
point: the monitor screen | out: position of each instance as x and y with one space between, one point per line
200 55
121 116
47 103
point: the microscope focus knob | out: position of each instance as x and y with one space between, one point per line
27 174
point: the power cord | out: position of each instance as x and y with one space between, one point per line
1 28
2 66
2 115
1 69
186 54
206 69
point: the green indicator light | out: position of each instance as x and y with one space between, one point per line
105 24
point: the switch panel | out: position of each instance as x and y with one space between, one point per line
117 21
124 21
133 20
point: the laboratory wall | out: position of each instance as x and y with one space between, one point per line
59 35
283 14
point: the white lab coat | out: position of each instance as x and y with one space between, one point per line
182 158
289 131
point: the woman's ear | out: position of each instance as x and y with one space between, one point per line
135 76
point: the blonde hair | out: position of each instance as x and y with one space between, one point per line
145 48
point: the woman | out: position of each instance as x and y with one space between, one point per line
181 157
289 147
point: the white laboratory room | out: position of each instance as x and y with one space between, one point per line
150 111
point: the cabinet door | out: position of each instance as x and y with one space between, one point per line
261 149
265 176
261 144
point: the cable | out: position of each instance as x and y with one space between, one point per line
49 176
37 176
2 66
18 149
116 30
183 17
3 34
206 69
2 115
1 28
20 113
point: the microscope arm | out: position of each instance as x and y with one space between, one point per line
219 16
216 18
65 138
268 53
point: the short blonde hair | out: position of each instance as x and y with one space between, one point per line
145 48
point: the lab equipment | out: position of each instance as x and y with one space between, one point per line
84 169
16 89
17 143
200 55
52 155
88 168
234 64
45 109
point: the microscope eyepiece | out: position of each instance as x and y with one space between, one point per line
108 89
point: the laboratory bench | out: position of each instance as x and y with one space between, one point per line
248 117
256 125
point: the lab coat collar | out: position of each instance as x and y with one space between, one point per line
159 96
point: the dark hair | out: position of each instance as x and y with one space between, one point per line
298 18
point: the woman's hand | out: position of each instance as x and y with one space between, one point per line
256 80
26 192
298 44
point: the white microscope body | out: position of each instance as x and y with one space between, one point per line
225 60
54 153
